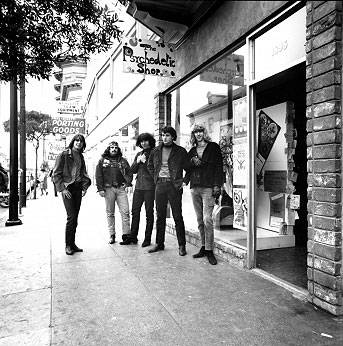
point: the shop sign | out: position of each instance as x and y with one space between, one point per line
281 47
68 126
148 57
69 107
229 70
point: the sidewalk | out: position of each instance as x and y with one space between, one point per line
122 295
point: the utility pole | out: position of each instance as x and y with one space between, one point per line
22 125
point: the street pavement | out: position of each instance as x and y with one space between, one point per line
122 295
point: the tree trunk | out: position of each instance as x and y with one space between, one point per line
14 198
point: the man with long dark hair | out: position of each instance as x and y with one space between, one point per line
113 177
166 164
71 179
144 191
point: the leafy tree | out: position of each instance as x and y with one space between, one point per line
38 125
36 34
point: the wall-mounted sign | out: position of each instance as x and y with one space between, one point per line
148 57
229 70
282 46
69 107
68 126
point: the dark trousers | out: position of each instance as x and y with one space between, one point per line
72 206
139 197
166 192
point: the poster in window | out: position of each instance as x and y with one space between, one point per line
225 144
240 208
277 209
240 126
240 164
268 131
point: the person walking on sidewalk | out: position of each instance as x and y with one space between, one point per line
206 179
113 178
71 179
166 164
144 191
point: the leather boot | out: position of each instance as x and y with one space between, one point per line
146 242
156 248
210 257
182 250
129 241
201 253
69 250
112 239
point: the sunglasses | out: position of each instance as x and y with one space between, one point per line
111 147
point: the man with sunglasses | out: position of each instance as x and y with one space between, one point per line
113 177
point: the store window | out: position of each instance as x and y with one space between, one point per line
209 99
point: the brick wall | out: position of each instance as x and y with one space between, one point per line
324 147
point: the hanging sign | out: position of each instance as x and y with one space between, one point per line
148 57
229 70
68 126
69 107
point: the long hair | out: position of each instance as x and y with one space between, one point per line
146 137
71 144
197 127
107 150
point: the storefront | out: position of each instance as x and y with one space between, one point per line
256 75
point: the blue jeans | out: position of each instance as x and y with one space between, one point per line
117 195
203 203
166 191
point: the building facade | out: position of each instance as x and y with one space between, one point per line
264 77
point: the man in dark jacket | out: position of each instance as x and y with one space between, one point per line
166 164
144 191
206 179
71 179
113 177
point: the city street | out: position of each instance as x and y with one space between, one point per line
121 295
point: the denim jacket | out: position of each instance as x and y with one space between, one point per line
62 175
104 168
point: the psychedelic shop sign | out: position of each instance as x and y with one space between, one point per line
148 58
68 126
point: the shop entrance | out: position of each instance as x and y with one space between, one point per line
288 259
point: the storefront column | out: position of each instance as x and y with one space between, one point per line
162 113
324 148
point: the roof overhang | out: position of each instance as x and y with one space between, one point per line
170 19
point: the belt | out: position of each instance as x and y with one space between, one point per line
163 180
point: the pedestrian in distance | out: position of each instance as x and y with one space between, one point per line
43 182
206 179
166 164
144 191
3 179
51 176
72 181
113 179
